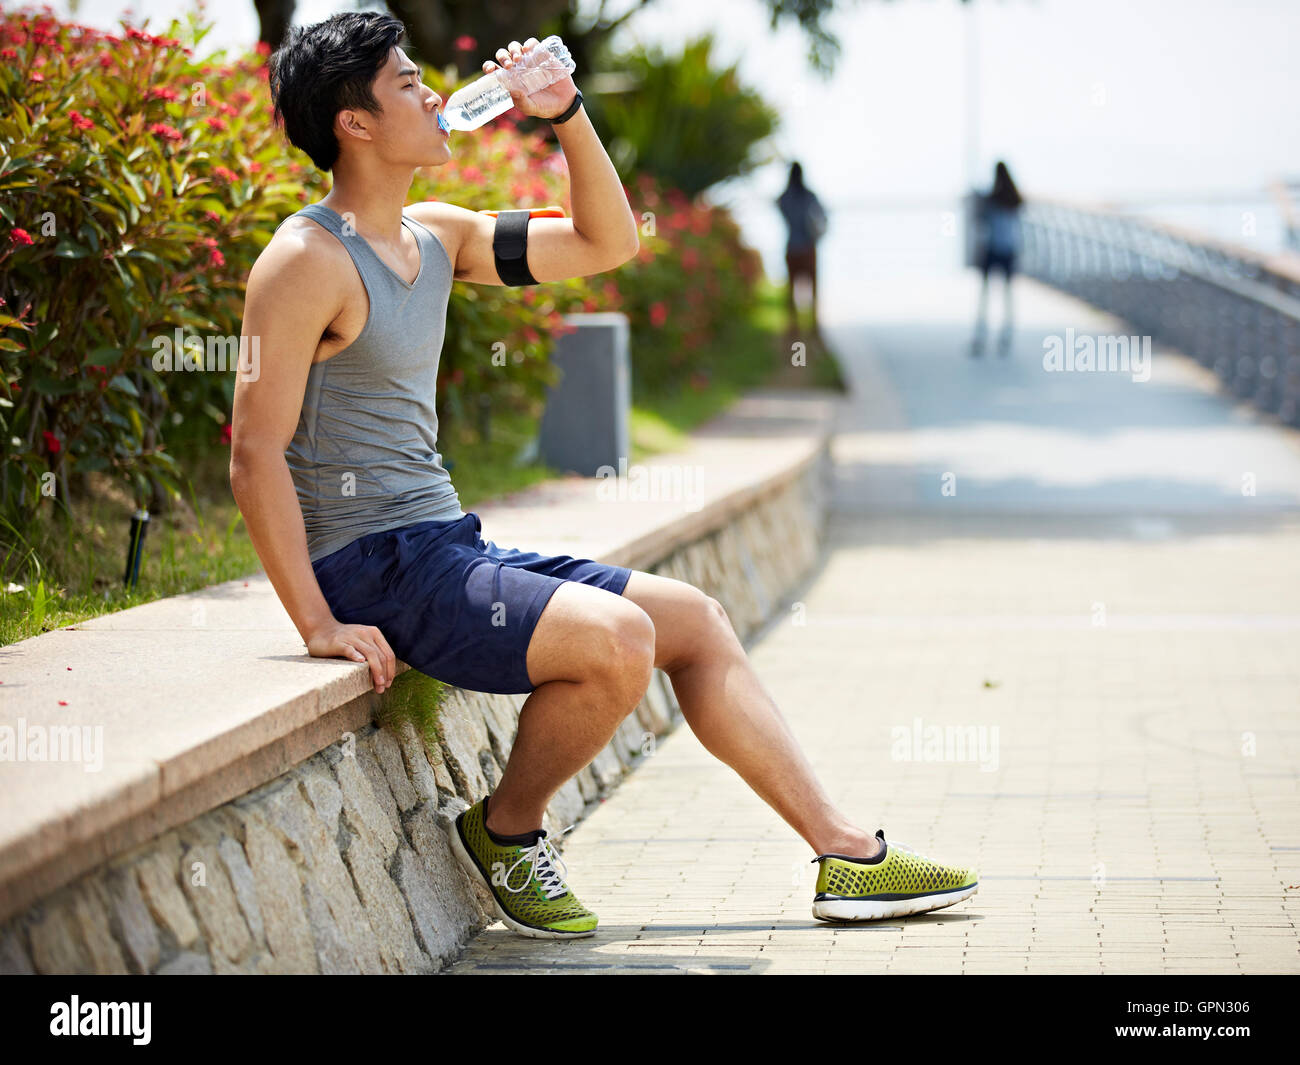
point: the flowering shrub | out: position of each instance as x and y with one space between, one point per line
137 186
692 277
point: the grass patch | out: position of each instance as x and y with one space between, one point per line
416 698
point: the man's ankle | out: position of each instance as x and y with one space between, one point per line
503 823
852 844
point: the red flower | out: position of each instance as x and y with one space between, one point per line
225 433
80 121
218 124
163 92
52 444
658 313
166 132
472 173
530 334
263 48
20 236
227 175
465 43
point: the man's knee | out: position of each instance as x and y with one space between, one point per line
717 621
627 647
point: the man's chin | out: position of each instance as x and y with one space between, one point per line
437 157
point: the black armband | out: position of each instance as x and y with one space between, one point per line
510 248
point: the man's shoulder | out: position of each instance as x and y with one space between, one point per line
443 219
300 252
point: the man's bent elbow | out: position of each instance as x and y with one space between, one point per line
245 464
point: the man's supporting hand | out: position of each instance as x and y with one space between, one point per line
361 643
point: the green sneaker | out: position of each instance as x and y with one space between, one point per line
525 876
895 883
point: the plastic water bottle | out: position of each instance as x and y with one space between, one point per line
481 101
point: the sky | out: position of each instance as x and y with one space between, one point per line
1167 102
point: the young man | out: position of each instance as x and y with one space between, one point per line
334 466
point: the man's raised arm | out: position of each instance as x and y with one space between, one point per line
601 235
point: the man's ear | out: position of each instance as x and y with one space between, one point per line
352 123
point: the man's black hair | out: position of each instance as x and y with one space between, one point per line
326 68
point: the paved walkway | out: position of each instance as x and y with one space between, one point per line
1099 613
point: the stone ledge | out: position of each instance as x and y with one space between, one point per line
203 732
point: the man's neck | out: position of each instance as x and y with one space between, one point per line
373 199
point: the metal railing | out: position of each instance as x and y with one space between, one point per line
1231 309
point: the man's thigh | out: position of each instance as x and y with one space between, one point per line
688 622
574 629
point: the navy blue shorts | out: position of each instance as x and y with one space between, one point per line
457 609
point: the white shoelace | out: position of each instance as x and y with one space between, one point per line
548 867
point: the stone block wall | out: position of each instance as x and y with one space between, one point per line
341 864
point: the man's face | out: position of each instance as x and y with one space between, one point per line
406 131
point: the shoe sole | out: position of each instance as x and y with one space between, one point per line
471 867
867 910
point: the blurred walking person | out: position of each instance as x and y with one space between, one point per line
1000 242
805 219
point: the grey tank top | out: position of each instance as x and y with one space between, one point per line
364 455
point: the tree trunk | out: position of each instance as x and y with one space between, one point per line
275 17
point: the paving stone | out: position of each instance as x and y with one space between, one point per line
134 927
385 908
464 736
90 907
279 898
388 752
364 810
415 759
187 963
334 952
158 871
56 943
225 931
14 960
241 879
